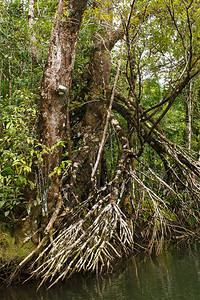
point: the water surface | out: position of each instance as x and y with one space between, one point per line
174 275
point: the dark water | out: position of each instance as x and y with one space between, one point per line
174 275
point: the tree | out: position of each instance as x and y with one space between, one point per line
31 21
55 89
112 197
56 86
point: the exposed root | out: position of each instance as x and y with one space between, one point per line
90 244
95 228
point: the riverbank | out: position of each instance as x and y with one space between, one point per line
15 247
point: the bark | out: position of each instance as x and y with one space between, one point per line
32 37
55 89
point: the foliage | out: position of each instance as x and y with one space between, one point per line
18 129
15 44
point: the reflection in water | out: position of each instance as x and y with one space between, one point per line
171 276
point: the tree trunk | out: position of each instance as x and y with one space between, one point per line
56 85
90 130
32 37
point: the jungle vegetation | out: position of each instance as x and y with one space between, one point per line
99 132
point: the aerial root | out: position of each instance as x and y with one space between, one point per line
90 244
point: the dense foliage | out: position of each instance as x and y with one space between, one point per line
18 115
